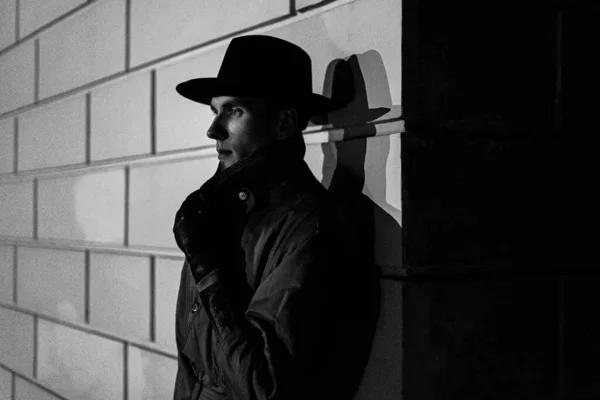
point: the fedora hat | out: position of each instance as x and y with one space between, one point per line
264 67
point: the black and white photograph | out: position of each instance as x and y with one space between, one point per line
299 199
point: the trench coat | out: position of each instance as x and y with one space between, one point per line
294 317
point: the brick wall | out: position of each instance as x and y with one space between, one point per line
97 151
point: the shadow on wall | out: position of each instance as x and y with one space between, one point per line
346 165
346 162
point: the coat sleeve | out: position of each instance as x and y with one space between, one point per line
270 349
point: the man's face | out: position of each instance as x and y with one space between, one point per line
239 128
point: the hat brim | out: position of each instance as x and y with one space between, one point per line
202 90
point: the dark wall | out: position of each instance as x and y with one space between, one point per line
500 215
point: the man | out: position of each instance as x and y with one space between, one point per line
275 300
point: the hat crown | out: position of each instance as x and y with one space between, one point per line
273 66
264 67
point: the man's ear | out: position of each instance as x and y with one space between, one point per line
287 123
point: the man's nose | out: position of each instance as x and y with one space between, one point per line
216 130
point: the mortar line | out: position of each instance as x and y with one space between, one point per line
35 346
48 25
272 24
94 247
88 128
127 35
153 112
265 26
15 272
31 380
87 279
17 18
312 138
96 331
16 145
322 8
35 208
153 299
36 71
125 370
126 216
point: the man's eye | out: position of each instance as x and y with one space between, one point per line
235 111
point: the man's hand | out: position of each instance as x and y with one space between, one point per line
205 230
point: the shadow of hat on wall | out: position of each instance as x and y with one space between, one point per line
345 84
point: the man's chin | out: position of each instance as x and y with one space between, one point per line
224 164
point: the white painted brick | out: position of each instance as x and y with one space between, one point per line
7 23
156 33
27 391
7 140
16 341
156 194
53 135
6 273
181 123
83 49
79 365
168 272
16 213
121 118
151 376
16 77
5 384
368 28
52 281
120 283
85 207
34 14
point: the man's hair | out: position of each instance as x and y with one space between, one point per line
274 106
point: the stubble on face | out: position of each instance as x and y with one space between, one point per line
239 128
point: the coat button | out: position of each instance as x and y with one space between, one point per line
243 195
195 307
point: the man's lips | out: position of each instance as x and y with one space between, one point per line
223 153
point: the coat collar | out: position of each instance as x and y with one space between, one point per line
252 180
